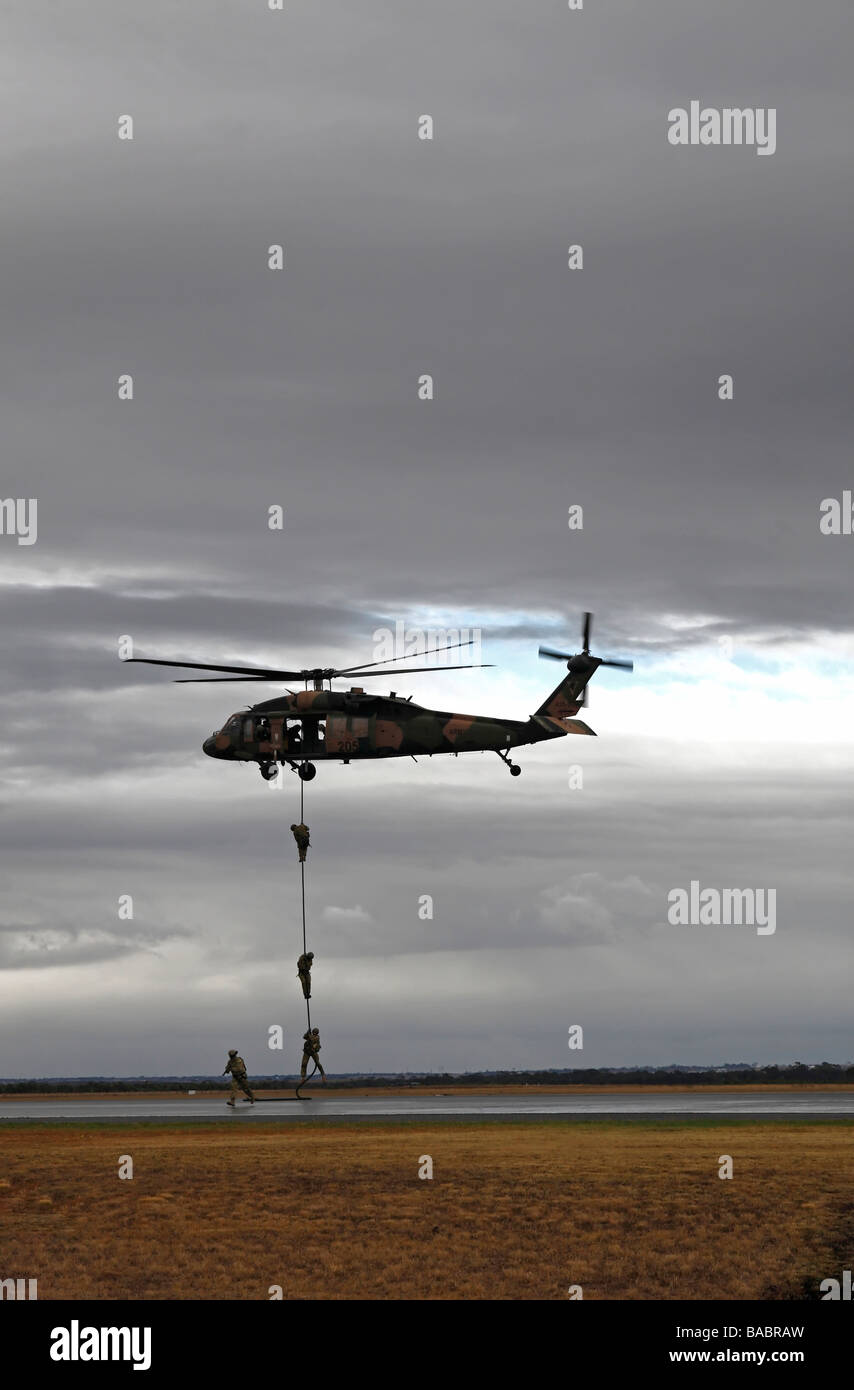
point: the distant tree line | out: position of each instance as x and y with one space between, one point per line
796 1072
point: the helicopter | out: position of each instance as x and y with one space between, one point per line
307 726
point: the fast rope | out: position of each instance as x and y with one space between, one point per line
302 877
304 1079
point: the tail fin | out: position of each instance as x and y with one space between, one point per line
567 699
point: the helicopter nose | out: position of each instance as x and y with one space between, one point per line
209 746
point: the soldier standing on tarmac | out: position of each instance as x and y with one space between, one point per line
239 1081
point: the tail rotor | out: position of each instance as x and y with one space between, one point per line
582 663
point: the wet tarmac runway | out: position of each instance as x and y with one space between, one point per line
337 1105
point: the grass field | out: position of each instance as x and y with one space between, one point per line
514 1210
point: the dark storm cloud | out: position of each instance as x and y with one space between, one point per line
553 387
401 257
68 637
48 947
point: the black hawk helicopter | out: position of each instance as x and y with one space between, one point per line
307 726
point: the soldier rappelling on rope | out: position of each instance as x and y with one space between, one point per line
311 1047
304 965
301 835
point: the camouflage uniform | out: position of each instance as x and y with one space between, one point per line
239 1081
304 972
300 833
310 1049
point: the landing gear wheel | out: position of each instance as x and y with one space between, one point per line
268 771
307 771
515 770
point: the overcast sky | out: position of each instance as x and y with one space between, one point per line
726 757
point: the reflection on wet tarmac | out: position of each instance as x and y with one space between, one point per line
476 1106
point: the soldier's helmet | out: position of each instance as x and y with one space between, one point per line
293 827
232 1052
309 955
316 1030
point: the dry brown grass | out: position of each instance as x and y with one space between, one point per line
629 1211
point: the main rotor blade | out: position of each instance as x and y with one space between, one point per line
621 665
364 665
554 654
585 639
405 670
258 672
216 680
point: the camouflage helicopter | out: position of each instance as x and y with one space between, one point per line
321 724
